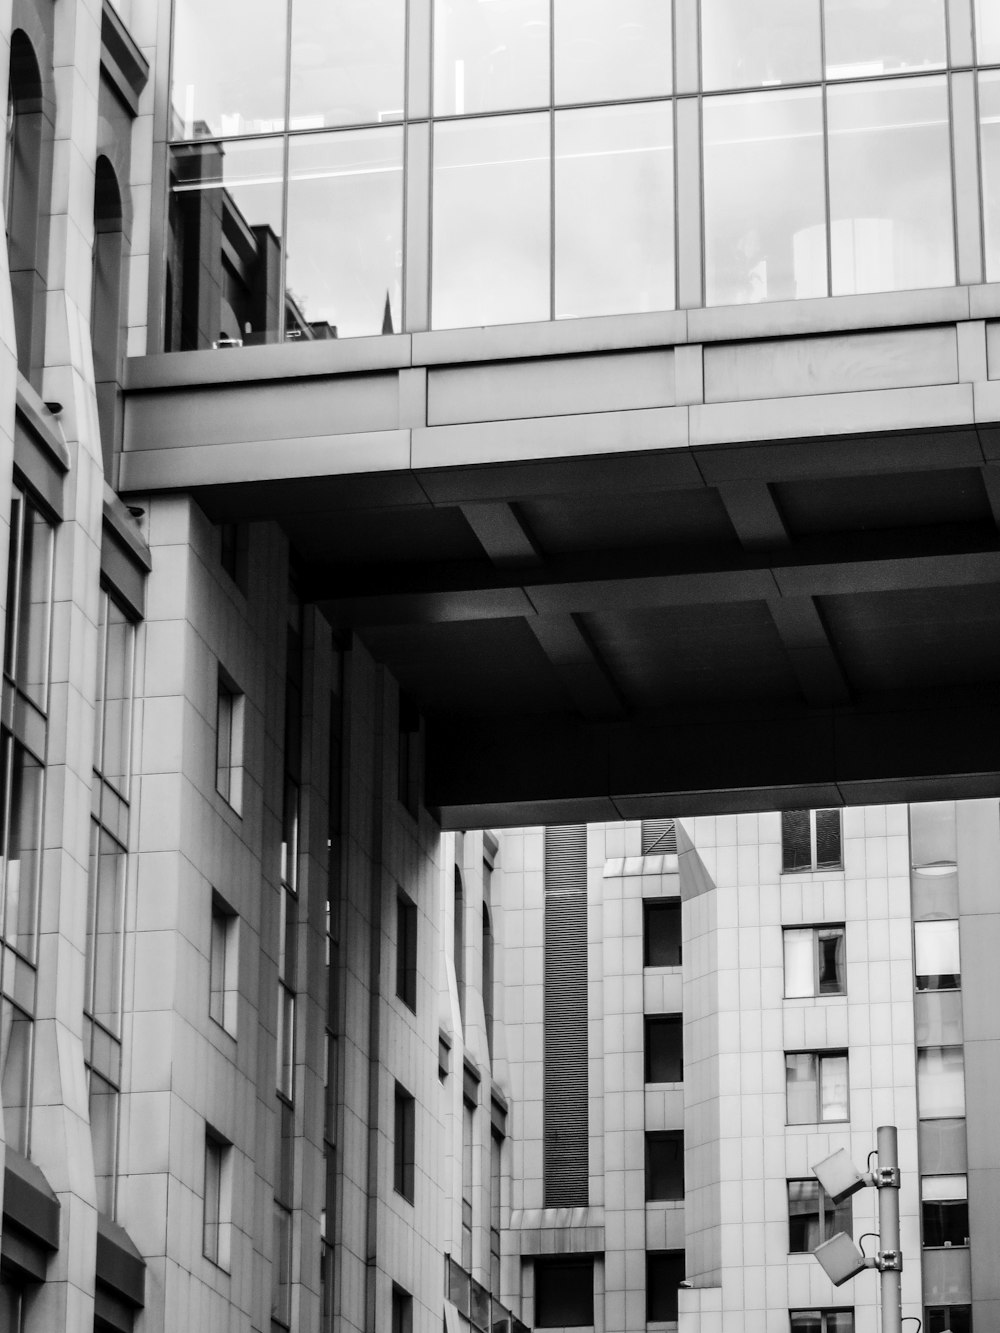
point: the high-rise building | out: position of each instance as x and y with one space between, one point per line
423 416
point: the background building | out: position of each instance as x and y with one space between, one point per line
430 415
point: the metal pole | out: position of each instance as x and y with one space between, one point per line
890 1259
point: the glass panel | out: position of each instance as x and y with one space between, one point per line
665 1165
13 550
796 840
117 709
15 1080
228 68
491 221
281 1271
105 930
217 969
347 62
224 254
989 120
944 1187
800 1088
345 234
664 1050
803 1216
490 57
286 1041
611 49
104 1135
213 1199
935 955
840 1321
941 1082
34 608
830 954
833 1087
749 43
932 823
890 186
945 1222
987 32
949 1319
22 848
799 978
828 854
765 229
863 39
614 181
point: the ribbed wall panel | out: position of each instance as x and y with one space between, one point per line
566 1125
660 836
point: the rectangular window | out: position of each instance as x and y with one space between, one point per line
662 933
948 1319
816 1086
29 599
22 790
759 42
564 1293
222 1002
406 952
468 1174
821 1321
402 1310
935 955
600 58
408 755
987 38
15 1074
103 1104
281 1271
105 929
665 1164
811 840
229 744
944 1210
940 1082
895 35
403 1139
813 1217
814 961
496 1158
218 1199
490 58
664 1274
664 1048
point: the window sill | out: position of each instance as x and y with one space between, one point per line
803 1000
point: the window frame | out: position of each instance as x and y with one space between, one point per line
670 910
819 1056
665 1022
826 1212
230 741
926 1204
813 868
658 1137
817 934
407 927
223 966
217 1201
404 1143
937 981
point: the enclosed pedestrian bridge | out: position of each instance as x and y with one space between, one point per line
713 559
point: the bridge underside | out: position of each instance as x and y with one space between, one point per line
689 627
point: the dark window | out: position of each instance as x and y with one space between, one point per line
810 840
406 952
564 1293
944 1210
488 970
664 1274
948 1319
813 1217
403 1139
665 1165
402 1310
664 1049
409 755
458 941
662 933
821 1321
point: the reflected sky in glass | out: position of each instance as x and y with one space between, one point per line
490 57
891 225
345 229
490 254
611 49
614 234
987 32
347 62
228 67
765 228
757 43
989 115
863 38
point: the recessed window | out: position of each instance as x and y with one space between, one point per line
662 933
814 961
665 1164
402 1310
664 1048
940 1082
813 1217
406 952
222 997
821 1321
816 1086
664 1274
229 744
218 1199
948 1319
564 1293
404 1126
944 1210
936 956
811 840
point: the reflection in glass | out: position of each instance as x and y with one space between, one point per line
799 963
224 255
890 186
800 1088
611 49
944 1211
15 1072
105 922
989 120
754 43
22 846
104 1136
863 39
987 32
347 62
491 221
345 229
114 695
614 210
935 955
833 1087
940 1082
228 67
765 234
490 57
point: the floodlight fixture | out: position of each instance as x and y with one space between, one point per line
840 1177
841 1259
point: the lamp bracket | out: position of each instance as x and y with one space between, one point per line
889 1261
886 1177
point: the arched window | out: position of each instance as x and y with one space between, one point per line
106 302
27 179
459 941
